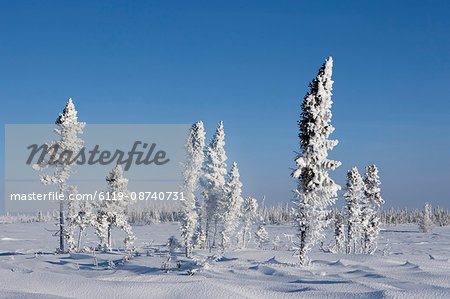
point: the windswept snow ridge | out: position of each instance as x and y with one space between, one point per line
416 266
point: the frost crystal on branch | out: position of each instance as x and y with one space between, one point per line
316 190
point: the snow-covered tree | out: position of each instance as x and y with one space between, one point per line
79 217
112 211
354 195
192 170
73 209
339 233
84 218
231 206
261 236
199 238
372 202
426 219
441 217
249 216
213 183
316 190
63 153
276 243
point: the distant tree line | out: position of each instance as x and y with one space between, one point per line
270 215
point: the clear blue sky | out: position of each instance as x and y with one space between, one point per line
247 63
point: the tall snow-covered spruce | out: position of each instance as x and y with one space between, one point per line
371 204
192 170
231 206
213 183
62 156
316 191
354 194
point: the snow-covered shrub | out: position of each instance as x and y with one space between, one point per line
426 221
387 248
261 236
276 243
111 265
167 264
95 262
173 243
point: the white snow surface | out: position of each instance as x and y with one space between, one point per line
416 266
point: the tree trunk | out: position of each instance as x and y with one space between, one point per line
109 238
207 234
79 239
302 255
215 233
61 226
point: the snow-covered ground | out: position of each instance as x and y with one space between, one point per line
415 265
